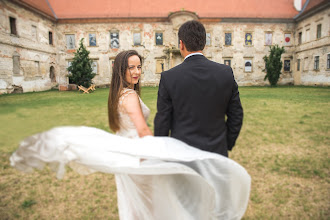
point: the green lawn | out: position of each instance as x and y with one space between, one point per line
284 145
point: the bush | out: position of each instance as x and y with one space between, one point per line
274 64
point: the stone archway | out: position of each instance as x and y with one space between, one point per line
52 74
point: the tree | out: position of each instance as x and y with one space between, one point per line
274 64
81 72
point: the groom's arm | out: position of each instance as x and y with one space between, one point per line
163 118
234 116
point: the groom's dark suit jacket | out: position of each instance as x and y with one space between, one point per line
193 100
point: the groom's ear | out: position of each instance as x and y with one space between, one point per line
182 46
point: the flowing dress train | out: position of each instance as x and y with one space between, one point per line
156 177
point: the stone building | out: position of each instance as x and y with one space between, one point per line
38 38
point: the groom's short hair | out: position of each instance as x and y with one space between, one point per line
193 35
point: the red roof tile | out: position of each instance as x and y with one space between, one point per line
160 8
40 5
314 3
68 9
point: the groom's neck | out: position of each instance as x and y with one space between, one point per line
186 53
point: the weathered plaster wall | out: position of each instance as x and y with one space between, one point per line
238 52
217 51
311 47
35 54
104 54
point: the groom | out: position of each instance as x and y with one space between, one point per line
195 96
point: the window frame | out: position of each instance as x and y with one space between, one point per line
287 44
300 38
50 38
162 61
231 41
89 42
95 60
269 32
162 33
252 38
316 66
245 61
290 68
13 26
35 38
227 59
208 45
118 38
318 31
66 41
140 43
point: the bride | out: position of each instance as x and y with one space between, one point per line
156 177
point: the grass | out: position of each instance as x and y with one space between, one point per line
284 145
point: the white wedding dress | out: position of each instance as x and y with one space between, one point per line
157 177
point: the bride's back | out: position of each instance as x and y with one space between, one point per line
127 127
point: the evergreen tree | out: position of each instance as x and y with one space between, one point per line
274 64
81 67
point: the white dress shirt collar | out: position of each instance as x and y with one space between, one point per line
192 54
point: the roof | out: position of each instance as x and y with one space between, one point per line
40 5
79 9
313 5
161 8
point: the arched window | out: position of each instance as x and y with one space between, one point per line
248 66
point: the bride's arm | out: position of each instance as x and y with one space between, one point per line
132 106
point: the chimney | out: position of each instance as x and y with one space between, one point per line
297 4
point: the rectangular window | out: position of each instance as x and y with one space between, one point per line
208 39
159 38
306 64
300 38
328 61
34 33
12 22
160 65
298 65
137 39
16 64
114 40
287 39
248 39
319 30
287 65
316 62
228 38
307 35
50 36
111 63
70 41
92 39
227 62
268 39
94 66
69 73
69 64
37 68
248 66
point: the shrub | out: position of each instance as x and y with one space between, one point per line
81 72
274 64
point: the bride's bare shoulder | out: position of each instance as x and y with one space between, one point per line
129 98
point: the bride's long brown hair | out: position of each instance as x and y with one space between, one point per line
118 83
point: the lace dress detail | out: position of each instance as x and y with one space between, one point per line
127 127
